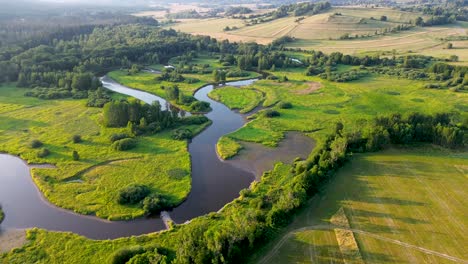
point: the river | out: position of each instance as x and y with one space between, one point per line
214 182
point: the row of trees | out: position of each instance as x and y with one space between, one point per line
138 117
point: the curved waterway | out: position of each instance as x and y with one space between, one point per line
214 182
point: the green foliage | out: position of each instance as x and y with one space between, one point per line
285 105
200 107
115 137
194 120
133 194
182 134
270 113
77 139
172 92
115 114
98 98
2 214
36 143
75 155
43 153
123 255
154 204
124 144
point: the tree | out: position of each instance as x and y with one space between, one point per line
419 21
449 45
75 155
82 81
383 18
77 139
216 76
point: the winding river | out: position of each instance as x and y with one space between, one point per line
214 182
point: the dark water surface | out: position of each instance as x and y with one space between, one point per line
214 183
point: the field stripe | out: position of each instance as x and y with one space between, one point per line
275 249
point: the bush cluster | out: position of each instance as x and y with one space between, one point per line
182 134
270 113
133 194
43 153
35 143
124 144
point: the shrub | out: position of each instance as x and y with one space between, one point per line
36 144
154 204
199 106
116 137
125 254
194 120
75 155
43 153
2 214
133 194
285 105
271 113
77 139
182 134
124 144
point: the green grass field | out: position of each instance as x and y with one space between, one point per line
318 104
145 81
406 205
244 100
90 185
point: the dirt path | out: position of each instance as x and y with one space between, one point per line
275 249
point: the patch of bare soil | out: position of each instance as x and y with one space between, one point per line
312 87
10 239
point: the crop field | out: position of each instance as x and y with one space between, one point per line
322 26
425 41
403 205
90 185
322 32
319 104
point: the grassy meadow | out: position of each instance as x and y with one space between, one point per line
318 104
146 81
410 195
91 184
244 100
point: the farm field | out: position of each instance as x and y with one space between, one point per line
405 205
425 41
322 32
91 184
318 104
